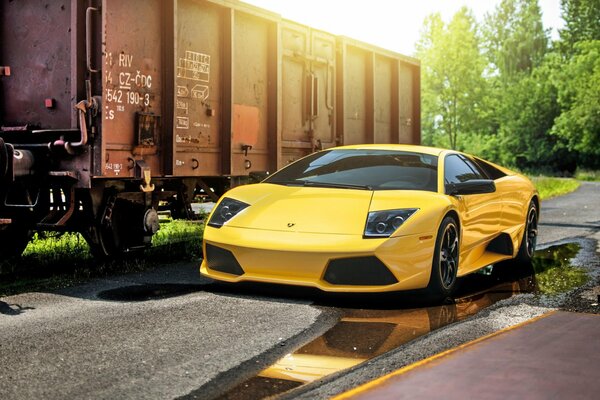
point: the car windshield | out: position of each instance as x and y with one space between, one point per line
362 169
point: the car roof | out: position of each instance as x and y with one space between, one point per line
434 151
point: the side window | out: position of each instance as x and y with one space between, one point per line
475 167
491 171
456 170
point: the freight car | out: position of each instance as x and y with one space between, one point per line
110 109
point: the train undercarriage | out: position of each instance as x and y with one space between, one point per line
115 216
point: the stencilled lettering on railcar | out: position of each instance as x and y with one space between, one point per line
183 123
129 86
200 92
125 60
194 66
182 91
193 91
116 168
182 105
186 139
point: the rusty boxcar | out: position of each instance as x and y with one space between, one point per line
110 109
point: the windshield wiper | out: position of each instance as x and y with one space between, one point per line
300 182
337 185
288 183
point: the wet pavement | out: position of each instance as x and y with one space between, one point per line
371 328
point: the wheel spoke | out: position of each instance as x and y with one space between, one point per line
454 246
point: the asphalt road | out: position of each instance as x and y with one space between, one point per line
168 333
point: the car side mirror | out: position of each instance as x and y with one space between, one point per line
473 186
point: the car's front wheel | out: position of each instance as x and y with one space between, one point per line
442 282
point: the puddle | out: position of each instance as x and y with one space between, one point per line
553 271
362 334
148 292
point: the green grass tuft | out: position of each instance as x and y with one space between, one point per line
587 175
552 187
55 260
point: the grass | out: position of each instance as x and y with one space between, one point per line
587 175
551 187
55 260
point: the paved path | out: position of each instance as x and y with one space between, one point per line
556 356
574 215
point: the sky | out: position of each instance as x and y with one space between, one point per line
391 24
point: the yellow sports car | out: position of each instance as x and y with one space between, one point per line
373 218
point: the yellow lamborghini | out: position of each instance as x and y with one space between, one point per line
373 218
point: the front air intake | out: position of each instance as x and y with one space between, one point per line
222 260
359 271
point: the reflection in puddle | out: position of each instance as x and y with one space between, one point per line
554 273
362 334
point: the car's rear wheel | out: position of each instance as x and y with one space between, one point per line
529 240
442 282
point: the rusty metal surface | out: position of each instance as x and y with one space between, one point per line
378 95
35 39
554 357
132 86
197 88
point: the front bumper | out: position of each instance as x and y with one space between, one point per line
330 262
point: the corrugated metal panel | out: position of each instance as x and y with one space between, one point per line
35 39
251 97
202 86
132 86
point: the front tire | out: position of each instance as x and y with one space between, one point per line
442 282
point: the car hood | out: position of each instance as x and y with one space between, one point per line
302 209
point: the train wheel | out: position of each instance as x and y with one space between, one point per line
124 229
13 240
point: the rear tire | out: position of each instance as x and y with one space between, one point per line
442 282
529 240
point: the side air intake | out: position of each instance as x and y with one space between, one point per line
222 260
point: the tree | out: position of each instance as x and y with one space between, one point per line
528 112
578 84
582 22
452 78
521 103
514 38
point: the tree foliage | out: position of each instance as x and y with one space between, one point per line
501 91
582 23
514 38
578 84
452 78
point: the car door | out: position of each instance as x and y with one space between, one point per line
479 213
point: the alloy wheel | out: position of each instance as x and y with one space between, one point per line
531 231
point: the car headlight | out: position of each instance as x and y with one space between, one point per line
227 209
384 223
